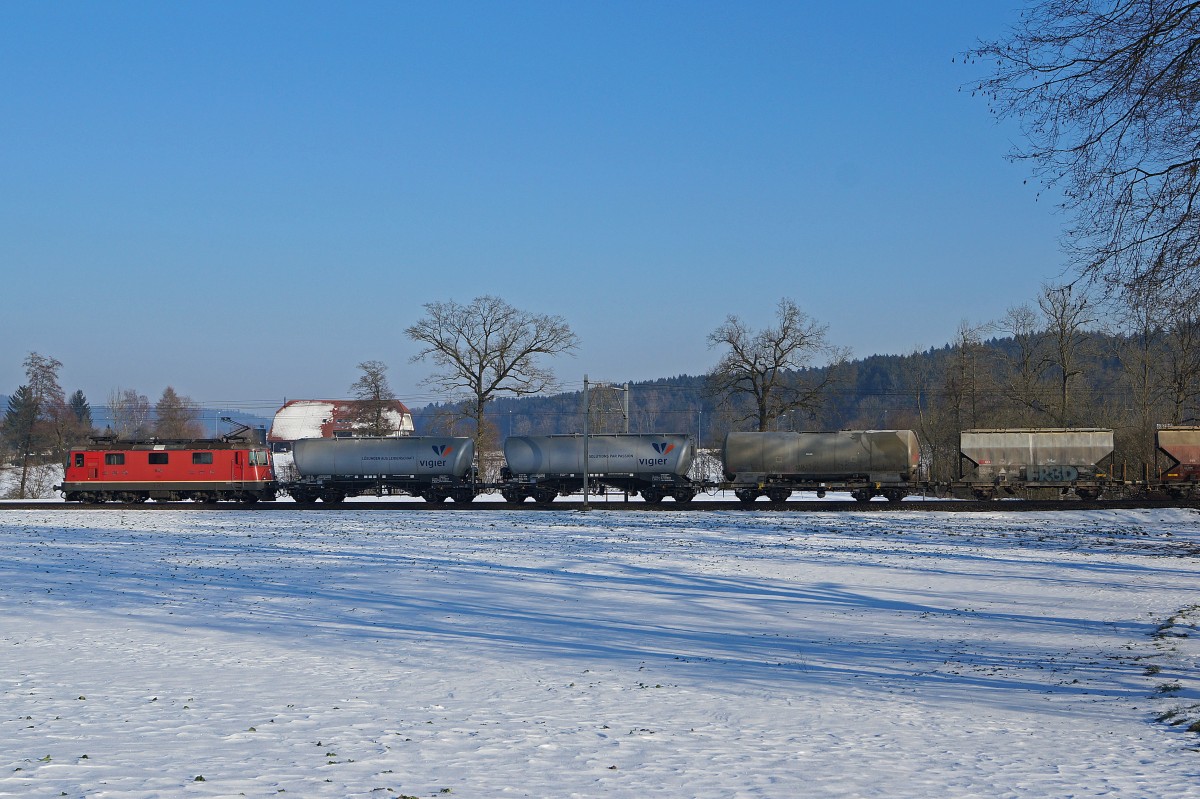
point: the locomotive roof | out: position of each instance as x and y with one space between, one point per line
109 444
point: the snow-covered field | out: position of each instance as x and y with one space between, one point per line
568 654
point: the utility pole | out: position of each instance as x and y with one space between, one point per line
587 411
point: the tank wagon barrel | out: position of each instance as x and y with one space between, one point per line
867 463
435 468
653 465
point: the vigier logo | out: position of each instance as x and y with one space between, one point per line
662 448
441 451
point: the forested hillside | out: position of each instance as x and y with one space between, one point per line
1109 381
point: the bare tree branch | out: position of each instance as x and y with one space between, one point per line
1108 95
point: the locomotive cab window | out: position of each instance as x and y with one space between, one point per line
202 457
114 459
78 458
258 457
158 458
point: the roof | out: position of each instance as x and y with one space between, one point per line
328 419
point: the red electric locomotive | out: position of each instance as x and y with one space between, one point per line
235 467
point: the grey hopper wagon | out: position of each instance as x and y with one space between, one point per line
867 463
653 465
1035 462
435 468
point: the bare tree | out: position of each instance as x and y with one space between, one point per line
765 366
966 375
1068 316
1023 367
1108 93
176 417
487 348
375 399
936 427
1181 361
1135 331
130 413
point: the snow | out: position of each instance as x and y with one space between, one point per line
570 654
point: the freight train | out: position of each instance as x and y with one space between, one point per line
994 463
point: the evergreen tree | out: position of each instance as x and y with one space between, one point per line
19 421
81 409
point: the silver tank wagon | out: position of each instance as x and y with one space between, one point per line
433 467
543 467
867 463
1037 461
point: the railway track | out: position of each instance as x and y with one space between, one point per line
619 505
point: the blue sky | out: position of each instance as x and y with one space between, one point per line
245 200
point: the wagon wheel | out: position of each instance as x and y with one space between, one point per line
652 496
778 495
746 497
